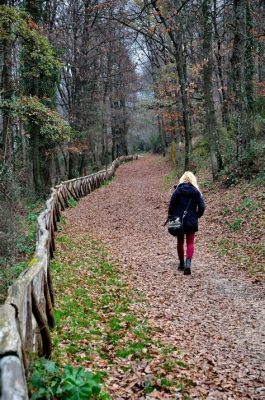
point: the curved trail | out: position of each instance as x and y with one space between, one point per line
216 316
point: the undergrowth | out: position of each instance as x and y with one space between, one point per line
170 180
100 324
239 219
108 182
12 265
51 381
17 251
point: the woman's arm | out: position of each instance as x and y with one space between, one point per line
201 206
172 204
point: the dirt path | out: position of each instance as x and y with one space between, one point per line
216 316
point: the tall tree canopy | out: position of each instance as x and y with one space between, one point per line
85 81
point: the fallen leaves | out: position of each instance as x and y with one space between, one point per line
101 325
212 320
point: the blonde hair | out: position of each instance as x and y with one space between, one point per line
189 177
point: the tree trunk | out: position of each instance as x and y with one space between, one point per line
211 123
185 110
7 90
238 61
220 73
124 129
36 158
249 63
104 131
113 148
163 134
34 8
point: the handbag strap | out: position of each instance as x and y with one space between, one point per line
186 210
184 214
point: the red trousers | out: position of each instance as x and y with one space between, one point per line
190 246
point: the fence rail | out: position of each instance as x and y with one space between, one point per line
27 315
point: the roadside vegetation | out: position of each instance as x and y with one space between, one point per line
18 234
235 222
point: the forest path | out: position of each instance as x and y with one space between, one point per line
216 315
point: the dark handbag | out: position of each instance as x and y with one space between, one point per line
175 225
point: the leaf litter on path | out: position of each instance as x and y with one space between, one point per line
215 317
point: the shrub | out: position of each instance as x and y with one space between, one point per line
248 166
50 381
200 154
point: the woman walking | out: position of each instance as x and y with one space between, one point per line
187 197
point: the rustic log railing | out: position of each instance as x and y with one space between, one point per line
27 315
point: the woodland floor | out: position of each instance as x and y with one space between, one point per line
215 317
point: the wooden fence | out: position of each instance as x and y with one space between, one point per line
27 315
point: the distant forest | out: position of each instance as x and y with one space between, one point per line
72 72
86 81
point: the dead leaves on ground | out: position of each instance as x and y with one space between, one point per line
214 315
101 325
